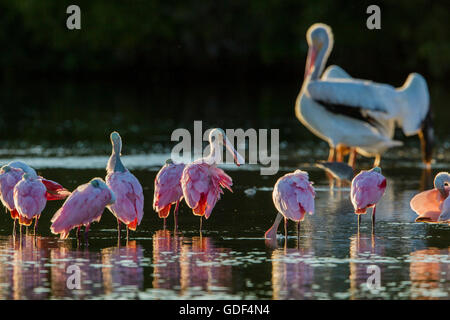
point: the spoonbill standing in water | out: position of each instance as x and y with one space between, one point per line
202 181
168 190
434 205
129 205
84 206
367 189
360 114
12 173
293 196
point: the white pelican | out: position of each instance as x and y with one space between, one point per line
362 114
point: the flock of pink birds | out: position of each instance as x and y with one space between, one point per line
200 184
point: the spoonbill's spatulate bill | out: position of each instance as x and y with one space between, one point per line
367 189
362 114
11 174
168 189
293 196
129 205
434 205
202 181
84 206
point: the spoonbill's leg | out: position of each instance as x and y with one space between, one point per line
359 221
86 234
14 227
118 227
331 154
352 158
128 231
20 229
164 225
272 232
298 231
373 215
175 215
200 224
79 233
35 225
285 227
377 161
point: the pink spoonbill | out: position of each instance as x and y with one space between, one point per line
12 173
293 196
168 190
129 205
84 206
367 189
434 205
202 181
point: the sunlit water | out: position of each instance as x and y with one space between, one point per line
62 130
231 259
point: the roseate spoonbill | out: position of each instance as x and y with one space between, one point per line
293 196
129 205
29 199
357 113
168 190
434 205
202 181
12 173
367 189
84 206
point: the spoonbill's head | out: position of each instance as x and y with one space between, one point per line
5 169
218 136
100 184
320 41
442 180
116 142
377 169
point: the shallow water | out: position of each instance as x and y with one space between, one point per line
231 259
62 131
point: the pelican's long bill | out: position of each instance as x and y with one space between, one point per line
238 159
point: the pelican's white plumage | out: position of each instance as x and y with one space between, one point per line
354 112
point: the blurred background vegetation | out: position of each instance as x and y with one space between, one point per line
242 38
145 67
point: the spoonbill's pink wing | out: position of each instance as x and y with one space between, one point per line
84 206
55 191
202 185
367 189
293 195
8 181
167 188
427 205
129 204
29 200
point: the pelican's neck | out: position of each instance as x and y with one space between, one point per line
320 62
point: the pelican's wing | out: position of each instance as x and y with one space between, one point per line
335 72
354 93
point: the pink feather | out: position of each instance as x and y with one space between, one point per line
367 189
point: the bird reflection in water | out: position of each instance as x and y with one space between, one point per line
429 272
363 250
292 274
122 270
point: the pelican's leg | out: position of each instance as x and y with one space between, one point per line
331 154
118 227
377 161
352 158
339 153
